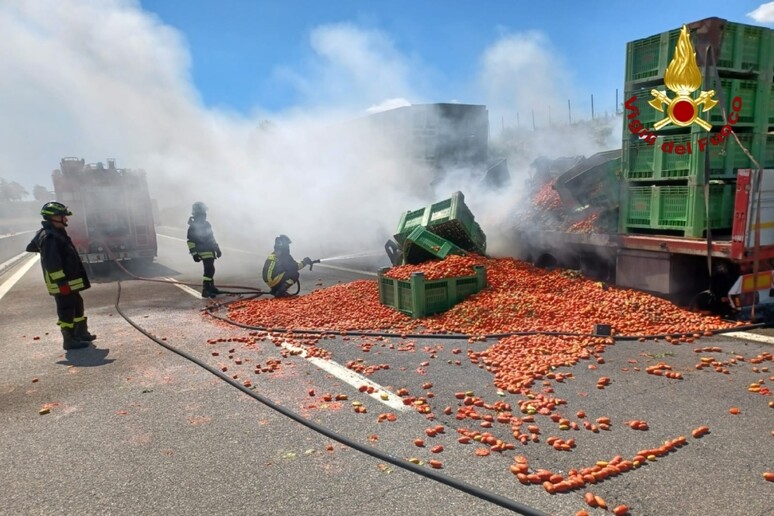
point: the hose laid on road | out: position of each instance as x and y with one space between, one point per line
368 450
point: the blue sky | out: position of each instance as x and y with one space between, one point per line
181 88
242 50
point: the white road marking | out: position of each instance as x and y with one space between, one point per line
17 234
184 288
10 282
352 378
339 371
10 262
748 336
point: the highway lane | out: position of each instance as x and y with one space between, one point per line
135 429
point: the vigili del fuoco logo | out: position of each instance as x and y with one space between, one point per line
682 77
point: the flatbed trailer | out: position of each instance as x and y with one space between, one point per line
732 271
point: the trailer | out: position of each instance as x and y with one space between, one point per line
112 211
717 273
685 209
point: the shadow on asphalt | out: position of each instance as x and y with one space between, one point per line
86 357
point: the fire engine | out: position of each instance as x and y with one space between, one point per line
112 210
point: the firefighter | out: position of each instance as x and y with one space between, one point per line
280 271
63 273
203 247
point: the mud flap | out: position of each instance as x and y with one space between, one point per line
393 252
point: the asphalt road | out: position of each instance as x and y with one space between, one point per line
135 429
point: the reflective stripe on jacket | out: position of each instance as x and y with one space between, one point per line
201 240
279 266
59 259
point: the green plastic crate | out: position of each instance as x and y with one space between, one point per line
450 219
647 115
756 102
743 49
728 157
678 208
647 58
418 297
421 245
771 106
643 162
408 221
594 181
638 212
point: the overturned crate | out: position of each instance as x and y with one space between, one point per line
450 219
418 297
421 245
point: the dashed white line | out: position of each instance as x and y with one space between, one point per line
184 288
749 336
339 371
352 378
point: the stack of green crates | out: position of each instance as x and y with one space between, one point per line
418 297
665 191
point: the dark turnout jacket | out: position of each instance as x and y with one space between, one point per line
280 265
201 240
58 258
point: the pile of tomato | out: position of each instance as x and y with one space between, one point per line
519 297
586 225
547 198
350 306
453 266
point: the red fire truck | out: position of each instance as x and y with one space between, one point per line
112 210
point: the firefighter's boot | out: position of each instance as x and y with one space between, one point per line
282 288
81 331
70 341
207 289
215 289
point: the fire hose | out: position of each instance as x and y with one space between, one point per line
454 483
433 475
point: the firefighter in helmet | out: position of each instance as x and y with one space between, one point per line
280 271
203 247
63 273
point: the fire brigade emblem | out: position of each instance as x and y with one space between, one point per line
683 77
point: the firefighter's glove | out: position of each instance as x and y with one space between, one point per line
307 261
197 258
64 289
217 252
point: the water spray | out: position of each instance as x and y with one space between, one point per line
364 254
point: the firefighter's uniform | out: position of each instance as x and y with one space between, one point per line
203 247
280 270
64 275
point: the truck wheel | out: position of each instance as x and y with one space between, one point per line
546 261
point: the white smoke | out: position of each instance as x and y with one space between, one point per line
102 79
